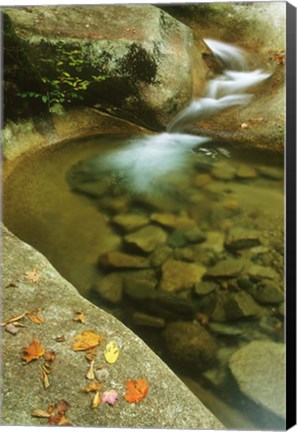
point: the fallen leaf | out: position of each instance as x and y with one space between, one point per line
40 413
64 421
12 329
49 356
111 352
32 352
109 397
91 354
60 339
244 125
136 390
90 374
94 386
13 319
85 340
62 407
34 317
18 324
32 276
79 317
46 367
96 400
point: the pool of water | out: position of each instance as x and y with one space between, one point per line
205 229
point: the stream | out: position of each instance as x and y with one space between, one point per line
122 217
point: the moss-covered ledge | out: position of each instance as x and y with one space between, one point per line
169 404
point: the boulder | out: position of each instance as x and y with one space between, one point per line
120 53
191 344
259 369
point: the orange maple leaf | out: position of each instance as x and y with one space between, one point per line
136 390
32 352
85 340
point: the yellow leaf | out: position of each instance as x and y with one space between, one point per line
96 400
111 352
32 276
40 413
85 340
90 373
45 380
94 386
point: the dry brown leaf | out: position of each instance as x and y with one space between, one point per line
79 317
32 352
60 339
93 387
90 374
85 340
91 354
40 413
49 356
46 367
34 317
32 276
64 421
96 400
12 329
13 319
62 407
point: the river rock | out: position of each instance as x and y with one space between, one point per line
159 255
116 259
191 344
177 239
259 369
110 288
185 254
214 242
195 235
131 47
246 172
241 305
130 222
271 172
170 220
139 280
241 238
227 268
205 287
267 292
258 272
223 171
147 238
178 275
146 320
94 189
224 329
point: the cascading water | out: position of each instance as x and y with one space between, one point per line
145 160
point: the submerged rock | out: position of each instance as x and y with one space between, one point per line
116 259
178 275
223 171
147 238
267 292
110 288
270 172
205 287
195 235
146 320
225 269
170 220
159 255
241 305
241 238
246 172
130 222
258 272
191 344
259 369
214 242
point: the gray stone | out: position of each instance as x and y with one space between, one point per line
271 173
147 238
159 255
130 222
227 268
146 320
189 343
178 275
259 369
205 287
240 238
241 305
116 259
195 235
110 288
267 292
59 300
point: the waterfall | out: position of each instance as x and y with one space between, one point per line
144 161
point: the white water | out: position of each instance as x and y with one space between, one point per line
144 161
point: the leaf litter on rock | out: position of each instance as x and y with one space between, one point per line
86 340
32 352
79 317
111 352
136 390
56 414
32 276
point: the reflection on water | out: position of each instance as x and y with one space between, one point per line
206 244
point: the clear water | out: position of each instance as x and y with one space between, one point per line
73 229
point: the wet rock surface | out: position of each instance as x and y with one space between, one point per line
178 275
147 238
